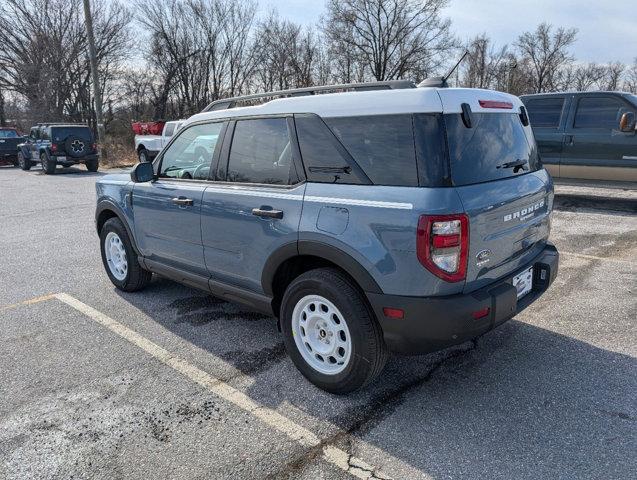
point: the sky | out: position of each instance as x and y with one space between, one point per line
607 29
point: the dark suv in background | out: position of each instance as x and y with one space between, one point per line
59 144
589 135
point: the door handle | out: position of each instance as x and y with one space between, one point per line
569 140
183 201
267 213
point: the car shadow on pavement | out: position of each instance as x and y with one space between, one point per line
520 402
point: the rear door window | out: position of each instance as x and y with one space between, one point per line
599 113
497 146
545 112
382 145
261 152
169 130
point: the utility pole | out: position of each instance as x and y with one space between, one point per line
101 134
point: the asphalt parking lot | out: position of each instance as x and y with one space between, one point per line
170 383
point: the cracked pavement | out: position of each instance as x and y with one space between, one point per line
550 394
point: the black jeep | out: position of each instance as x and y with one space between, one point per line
55 144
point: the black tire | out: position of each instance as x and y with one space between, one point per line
136 277
143 155
369 352
48 165
15 162
24 163
92 165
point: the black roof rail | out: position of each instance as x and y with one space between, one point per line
227 103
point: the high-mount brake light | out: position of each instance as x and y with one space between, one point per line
442 245
495 104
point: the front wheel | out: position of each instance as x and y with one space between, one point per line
24 163
120 259
330 332
48 165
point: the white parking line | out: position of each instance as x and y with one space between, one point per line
593 257
298 433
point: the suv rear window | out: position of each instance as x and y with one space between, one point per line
481 153
59 134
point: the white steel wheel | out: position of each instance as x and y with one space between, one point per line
321 334
115 253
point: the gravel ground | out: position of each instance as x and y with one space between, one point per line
550 394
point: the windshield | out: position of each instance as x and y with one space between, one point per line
9 134
496 146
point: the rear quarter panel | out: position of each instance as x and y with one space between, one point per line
376 226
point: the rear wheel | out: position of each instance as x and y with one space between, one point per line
330 332
48 165
24 163
92 165
120 259
143 155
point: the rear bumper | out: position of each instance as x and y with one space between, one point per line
66 160
434 323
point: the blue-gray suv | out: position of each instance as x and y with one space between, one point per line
368 219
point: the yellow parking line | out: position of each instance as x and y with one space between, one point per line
31 301
294 431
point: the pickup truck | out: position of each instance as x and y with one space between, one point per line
9 140
586 135
148 146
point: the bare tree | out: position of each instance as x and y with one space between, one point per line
546 52
630 80
47 63
485 65
391 38
612 77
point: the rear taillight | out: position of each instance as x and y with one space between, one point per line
442 244
54 147
94 146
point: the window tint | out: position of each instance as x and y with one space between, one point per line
382 145
189 156
34 133
497 146
545 112
44 134
169 130
599 112
261 152
324 158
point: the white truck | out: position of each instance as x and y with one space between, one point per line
148 146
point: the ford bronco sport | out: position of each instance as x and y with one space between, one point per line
377 218
59 144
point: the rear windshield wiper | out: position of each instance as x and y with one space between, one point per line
516 165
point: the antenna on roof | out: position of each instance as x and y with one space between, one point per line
441 82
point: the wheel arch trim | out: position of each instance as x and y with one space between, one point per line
320 249
104 205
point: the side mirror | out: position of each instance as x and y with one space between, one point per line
142 172
627 122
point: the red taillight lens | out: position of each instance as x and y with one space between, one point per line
94 146
442 245
54 147
495 104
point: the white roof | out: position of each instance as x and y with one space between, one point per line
373 102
